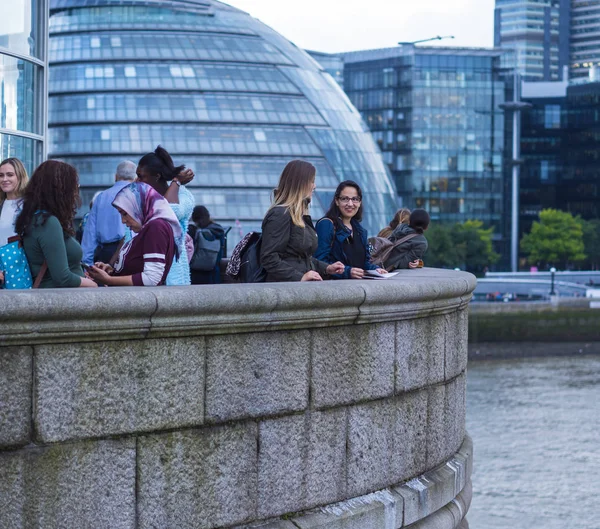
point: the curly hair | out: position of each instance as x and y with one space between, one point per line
52 190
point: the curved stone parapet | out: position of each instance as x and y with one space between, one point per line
235 405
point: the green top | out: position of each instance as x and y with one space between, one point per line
62 254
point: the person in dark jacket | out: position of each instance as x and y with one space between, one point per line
201 220
410 253
288 236
341 235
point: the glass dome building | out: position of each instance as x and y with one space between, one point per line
222 92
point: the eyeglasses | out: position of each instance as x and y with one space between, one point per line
345 200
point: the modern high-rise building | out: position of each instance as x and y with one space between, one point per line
23 71
538 32
222 92
435 114
585 38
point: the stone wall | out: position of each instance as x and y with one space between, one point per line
332 405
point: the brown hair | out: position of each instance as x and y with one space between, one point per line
402 216
295 185
22 177
52 190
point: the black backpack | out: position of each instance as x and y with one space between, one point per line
244 264
206 251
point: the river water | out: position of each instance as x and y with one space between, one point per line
535 425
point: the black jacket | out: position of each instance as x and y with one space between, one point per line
408 251
286 249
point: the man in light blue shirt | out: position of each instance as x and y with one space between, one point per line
104 228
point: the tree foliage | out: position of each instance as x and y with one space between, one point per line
466 246
591 243
556 240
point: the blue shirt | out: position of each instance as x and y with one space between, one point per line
104 222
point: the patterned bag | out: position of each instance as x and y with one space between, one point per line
14 265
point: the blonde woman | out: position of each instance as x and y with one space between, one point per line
13 179
288 236
402 216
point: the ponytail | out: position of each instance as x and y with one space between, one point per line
160 163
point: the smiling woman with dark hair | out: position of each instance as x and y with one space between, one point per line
341 235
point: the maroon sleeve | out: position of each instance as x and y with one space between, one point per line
158 247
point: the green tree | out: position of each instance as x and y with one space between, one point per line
477 243
442 250
556 240
591 242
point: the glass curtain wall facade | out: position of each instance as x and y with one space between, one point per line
585 37
434 113
222 92
23 51
538 32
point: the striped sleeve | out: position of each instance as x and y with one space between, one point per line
156 242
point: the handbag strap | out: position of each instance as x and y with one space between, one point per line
43 268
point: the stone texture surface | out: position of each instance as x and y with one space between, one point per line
386 442
198 479
106 388
420 352
456 346
268 524
352 364
455 413
88 484
258 374
302 462
436 426
15 395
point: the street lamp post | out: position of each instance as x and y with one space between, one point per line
515 106
552 272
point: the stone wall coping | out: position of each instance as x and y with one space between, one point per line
87 315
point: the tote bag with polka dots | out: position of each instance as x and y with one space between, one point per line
14 265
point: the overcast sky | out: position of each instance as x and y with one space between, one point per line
346 25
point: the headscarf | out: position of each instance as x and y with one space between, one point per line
142 203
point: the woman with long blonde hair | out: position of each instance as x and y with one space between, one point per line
289 238
402 216
13 179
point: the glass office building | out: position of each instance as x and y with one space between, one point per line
434 113
222 92
23 51
585 37
538 32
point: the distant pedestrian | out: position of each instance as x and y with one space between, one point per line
208 229
158 170
402 216
104 230
289 239
410 253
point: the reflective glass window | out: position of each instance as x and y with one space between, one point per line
27 150
18 87
179 45
159 76
20 28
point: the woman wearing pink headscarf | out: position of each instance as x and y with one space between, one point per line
146 259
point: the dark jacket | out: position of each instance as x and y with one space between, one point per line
286 249
408 251
332 244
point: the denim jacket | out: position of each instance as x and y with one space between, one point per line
332 243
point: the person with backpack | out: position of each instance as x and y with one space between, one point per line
45 226
289 239
208 239
145 260
342 236
410 243
402 216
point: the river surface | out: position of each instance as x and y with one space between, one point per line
535 425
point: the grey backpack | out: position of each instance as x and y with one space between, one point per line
206 251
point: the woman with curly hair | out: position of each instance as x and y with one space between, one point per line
45 225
